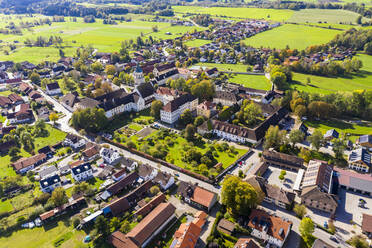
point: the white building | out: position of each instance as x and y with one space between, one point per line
53 89
82 172
74 141
138 75
110 156
172 111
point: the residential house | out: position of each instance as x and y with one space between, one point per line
282 160
110 156
212 72
21 114
367 224
5 102
15 99
187 235
75 142
124 183
360 160
318 173
117 207
331 134
197 196
146 230
246 243
318 243
48 171
69 100
25 88
43 113
23 165
82 172
91 153
34 95
165 94
48 184
365 141
53 89
314 197
172 111
143 211
129 164
119 175
270 229
165 180
226 98
206 109
353 181
147 172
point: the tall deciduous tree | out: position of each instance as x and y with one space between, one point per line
274 137
155 108
59 196
316 139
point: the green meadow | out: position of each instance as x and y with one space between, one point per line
295 36
327 85
325 16
259 82
253 13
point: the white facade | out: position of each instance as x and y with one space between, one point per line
82 175
233 137
121 109
172 117
270 239
51 187
110 156
53 92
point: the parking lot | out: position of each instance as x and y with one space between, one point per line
272 176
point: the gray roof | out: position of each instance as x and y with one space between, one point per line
365 139
321 244
47 171
360 154
331 133
354 180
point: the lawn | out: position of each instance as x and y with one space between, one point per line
197 42
5 93
142 117
6 206
327 85
253 13
352 130
252 81
175 31
292 35
135 126
324 15
41 237
225 67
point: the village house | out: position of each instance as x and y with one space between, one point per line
82 172
43 113
165 94
53 89
123 183
197 196
282 160
360 160
75 142
146 230
314 197
129 164
148 207
171 112
48 171
206 109
15 99
147 172
226 226
48 184
165 180
23 165
91 153
21 114
226 98
365 141
246 243
69 100
110 156
119 175
271 229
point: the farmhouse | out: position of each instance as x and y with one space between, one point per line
146 230
197 196
314 197
21 114
318 173
143 211
226 98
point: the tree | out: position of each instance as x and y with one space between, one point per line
282 175
156 106
96 67
90 119
316 139
186 118
190 132
59 197
320 109
14 151
238 196
110 70
102 226
300 111
35 78
339 146
274 137
300 210
125 227
154 190
306 229
204 90
198 121
296 136
115 224
359 20
279 80
249 113
53 117
358 241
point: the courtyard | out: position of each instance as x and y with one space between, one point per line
272 176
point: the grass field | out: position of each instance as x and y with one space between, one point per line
293 36
41 237
259 82
254 13
225 67
324 15
5 93
352 130
326 85
197 42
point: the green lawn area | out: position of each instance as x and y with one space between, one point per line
6 206
135 126
293 36
2 119
253 13
324 15
327 85
122 120
41 237
354 130
252 81
197 42
175 31
5 93
225 67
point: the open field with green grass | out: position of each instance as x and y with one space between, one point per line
225 67
324 15
197 42
41 237
175 31
352 130
326 85
259 82
295 36
5 93
253 13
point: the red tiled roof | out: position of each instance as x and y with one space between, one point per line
203 197
367 223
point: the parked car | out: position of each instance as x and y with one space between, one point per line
334 239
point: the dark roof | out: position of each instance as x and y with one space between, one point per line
314 193
140 191
283 158
5 146
70 99
44 183
114 99
121 184
45 149
88 102
178 102
81 168
145 90
165 67
143 211
52 86
119 206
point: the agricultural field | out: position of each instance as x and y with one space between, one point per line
325 16
259 82
327 85
105 38
352 130
293 36
253 13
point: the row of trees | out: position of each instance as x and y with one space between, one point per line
90 119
